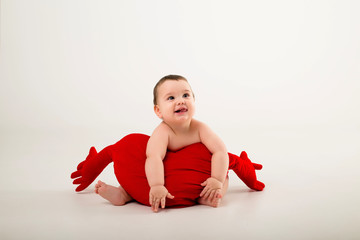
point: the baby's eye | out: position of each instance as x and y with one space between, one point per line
171 98
186 95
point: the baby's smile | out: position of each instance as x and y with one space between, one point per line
181 110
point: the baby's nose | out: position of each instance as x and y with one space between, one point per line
180 102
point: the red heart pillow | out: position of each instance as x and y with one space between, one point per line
185 169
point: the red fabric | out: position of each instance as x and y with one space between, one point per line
185 170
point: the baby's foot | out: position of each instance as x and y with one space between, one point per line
115 195
215 202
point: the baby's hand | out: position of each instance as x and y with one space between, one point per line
211 188
157 196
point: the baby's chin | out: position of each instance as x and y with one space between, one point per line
182 118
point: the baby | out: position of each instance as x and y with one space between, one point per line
174 103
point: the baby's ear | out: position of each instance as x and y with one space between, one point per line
157 111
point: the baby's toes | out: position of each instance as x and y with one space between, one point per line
216 202
98 186
217 199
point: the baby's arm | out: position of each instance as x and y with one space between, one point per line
219 161
154 167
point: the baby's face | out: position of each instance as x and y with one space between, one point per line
175 102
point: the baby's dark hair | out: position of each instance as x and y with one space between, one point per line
164 79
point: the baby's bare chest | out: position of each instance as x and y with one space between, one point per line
177 142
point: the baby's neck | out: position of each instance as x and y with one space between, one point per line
180 128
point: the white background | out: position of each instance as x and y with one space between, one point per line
280 79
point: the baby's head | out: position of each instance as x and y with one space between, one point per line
173 99
168 78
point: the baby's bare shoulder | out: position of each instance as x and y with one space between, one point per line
162 129
158 141
199 126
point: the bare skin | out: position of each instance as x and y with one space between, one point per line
118 196
176 107
115 195
216 199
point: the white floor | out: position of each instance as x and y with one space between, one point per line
311 177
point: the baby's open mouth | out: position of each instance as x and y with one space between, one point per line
181 110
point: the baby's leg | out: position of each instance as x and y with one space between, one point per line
115 195
215 202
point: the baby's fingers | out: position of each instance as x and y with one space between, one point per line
170 196
163 201
151 199
155 206
218 194
204 183
203 192
154 203
212 194
207 194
